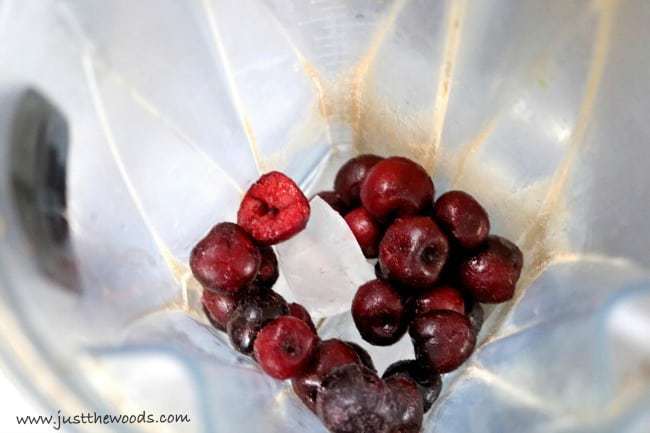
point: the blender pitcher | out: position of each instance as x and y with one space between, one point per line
129 128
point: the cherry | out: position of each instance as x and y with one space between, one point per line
273 209
413 252
329 354
364 356
379 313
254 311
219 306
268 273
436 262
440 298
353 400
396 187
491 272
463 218
406 405
442 339
335 201
284 347
225 259
300 312
351 175
429 382
366 230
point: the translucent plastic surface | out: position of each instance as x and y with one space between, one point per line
538 108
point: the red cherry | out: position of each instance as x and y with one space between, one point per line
335 201
413 252
219 306
300 312
440 298
442 339
350 176
366 230
284 347
379 313
329 355
463 218
396 187
225 259
491 272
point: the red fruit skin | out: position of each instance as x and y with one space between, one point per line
329 355
350 176
219 306
413 252
255 309
335 201
442 339
440 298
407 405
225 259
396 187
284 347
364 356
354 400
268 272
462 218
491 273
300 312
274 209
366 230
428 382
379 313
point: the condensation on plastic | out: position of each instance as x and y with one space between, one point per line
537 108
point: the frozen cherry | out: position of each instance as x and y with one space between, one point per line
225 259
329 355
463 218
335 201
273 209
219 306
406 404
364 356
413 252
429 382
254 311
350 175
268 273
366 230
284 347
440 298
297 310
492 271
442 339
379 313
354 400
396 187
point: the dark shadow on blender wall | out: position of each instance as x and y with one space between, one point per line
38 164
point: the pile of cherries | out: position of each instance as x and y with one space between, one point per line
436 263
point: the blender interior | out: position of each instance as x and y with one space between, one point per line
150 118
